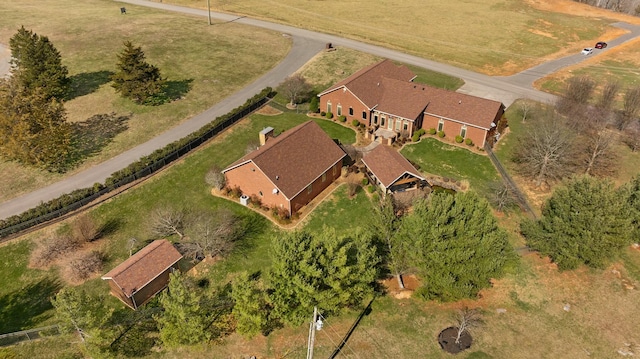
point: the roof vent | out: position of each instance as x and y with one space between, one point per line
459 102
378 84
275 191
277 178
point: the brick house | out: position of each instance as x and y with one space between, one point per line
143 275
289 170
390 171
383 97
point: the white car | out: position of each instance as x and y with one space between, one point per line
587 51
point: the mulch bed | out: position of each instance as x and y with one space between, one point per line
447 340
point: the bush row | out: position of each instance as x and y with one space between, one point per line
143 167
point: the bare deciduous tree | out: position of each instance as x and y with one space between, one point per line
166 221
213 234
632 136
295 88
501 196
600 157
546 151
85 229
83 265
608 95
215 178
630 108
524 108
467 319
53 248
131 244
578 92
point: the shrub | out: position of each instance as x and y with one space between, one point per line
215 178
314 104
53 248
83 265
365 181
441 134
469 142
281 214
355 123
323 114
329 115
85 229
421 132
432 131
255 201
459 139
415 137
375 197
371 188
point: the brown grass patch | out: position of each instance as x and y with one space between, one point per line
268 111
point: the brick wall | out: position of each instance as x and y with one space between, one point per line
347 100
253 182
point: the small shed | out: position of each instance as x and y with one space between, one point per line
389 170
144 274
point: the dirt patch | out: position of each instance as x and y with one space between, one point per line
449 342
268 111
411 283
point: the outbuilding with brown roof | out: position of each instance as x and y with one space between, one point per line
389 170
143 275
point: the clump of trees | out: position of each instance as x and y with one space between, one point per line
586 221
578 134
33 125
138 80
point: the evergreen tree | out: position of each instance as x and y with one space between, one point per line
33 127
384 224
78 312
458 246
584 222
136 79
634 203
183 320
37 64
251 308
322 270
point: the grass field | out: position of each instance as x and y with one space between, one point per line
203 64
492 36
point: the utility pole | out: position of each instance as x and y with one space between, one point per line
209 10
316 324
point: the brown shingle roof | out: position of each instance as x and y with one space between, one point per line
366 83
296 158
404 99
142 267
388 165
472 110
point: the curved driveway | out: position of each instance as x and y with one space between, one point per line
305 45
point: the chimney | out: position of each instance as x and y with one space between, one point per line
266 134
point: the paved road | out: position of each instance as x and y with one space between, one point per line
305 45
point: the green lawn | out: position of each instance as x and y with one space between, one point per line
438 158
203 65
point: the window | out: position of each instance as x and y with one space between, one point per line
328 106
334 170
309 189
324 176
406 126
382 121
463 131
440 125
375 119
364 115
339 110
350 111
398 124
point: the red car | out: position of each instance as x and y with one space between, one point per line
600 45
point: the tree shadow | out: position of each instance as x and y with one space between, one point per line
25 308
174 90
92 135
87 82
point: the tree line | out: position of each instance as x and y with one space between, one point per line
33 121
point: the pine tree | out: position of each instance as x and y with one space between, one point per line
583 222
183 320
322 270
78 312
251 308
458 246
634 203
33 127
384 224
136 79
37 64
